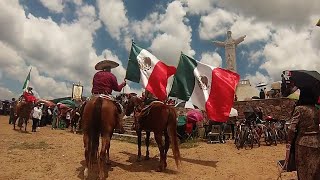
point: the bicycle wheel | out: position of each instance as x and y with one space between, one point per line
267 138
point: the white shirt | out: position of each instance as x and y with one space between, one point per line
37 113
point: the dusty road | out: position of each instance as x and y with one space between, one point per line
58 154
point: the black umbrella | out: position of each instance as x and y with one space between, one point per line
305 79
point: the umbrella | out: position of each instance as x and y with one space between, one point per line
186 104
68 103
194 116
46 102
261 84
305 80
233 112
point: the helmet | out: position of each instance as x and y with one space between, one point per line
29 88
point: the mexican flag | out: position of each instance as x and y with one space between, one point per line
210 88
149 71
26 82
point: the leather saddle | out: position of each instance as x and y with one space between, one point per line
111 98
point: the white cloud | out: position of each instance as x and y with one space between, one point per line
55 6
285 13
198 7
257 78
175 35
219 21
145 30
211 58
289 50
113 15
215 24
6 94
59 53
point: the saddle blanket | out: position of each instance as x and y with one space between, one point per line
110 98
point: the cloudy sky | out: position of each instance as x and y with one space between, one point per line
62 40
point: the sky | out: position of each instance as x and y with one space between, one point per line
62 40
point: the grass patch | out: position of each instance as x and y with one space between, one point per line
26 145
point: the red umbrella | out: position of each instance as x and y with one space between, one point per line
194 115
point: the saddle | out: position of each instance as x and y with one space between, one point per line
146 110
110 98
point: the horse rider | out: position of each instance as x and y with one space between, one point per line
28 96
104 82
149 98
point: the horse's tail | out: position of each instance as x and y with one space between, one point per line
172 130
94 131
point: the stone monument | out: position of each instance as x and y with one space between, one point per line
230 45
244 91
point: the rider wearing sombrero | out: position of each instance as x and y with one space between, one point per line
29 96
104 82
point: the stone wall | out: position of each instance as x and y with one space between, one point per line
279 108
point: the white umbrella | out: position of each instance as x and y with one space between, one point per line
233 112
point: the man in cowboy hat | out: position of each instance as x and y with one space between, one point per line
104 82
28 95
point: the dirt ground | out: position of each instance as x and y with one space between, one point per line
58 154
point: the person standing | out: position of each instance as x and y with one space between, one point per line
262 94
12 106
304 138
36 116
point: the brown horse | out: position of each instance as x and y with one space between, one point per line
160 119
22 112
100 117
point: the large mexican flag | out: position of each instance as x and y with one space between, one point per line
210 88
27 81
149 71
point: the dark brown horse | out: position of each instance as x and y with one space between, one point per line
100 117
22 112
160 119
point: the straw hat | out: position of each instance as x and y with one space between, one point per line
106 63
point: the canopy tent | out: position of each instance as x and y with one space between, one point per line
68 103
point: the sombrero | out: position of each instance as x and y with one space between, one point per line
106 63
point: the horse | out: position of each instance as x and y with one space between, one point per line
160 119
99 118
22 112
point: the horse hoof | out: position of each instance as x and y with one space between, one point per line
85 173
101 176
147 158
139 159
160 169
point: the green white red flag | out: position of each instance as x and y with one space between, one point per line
210 88
149 71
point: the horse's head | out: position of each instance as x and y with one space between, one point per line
133 103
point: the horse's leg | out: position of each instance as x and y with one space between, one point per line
102 156
108 148
86 154
158 138
166 147
14 122
147 144
26 123
139 144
